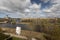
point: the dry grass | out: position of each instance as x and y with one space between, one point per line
25 33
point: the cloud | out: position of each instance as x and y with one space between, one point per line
17 7
54 10
14 5
35 7
34 11
47 12
24 8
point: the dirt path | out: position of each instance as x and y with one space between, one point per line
14 35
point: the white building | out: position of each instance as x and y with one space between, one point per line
18 30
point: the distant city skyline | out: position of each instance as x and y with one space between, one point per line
30 8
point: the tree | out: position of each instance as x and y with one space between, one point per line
13 21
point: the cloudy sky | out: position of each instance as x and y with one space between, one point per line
30 8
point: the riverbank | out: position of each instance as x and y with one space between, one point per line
25 33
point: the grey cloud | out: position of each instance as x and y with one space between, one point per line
19 6
54 11
14 5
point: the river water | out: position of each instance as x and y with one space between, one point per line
23 26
